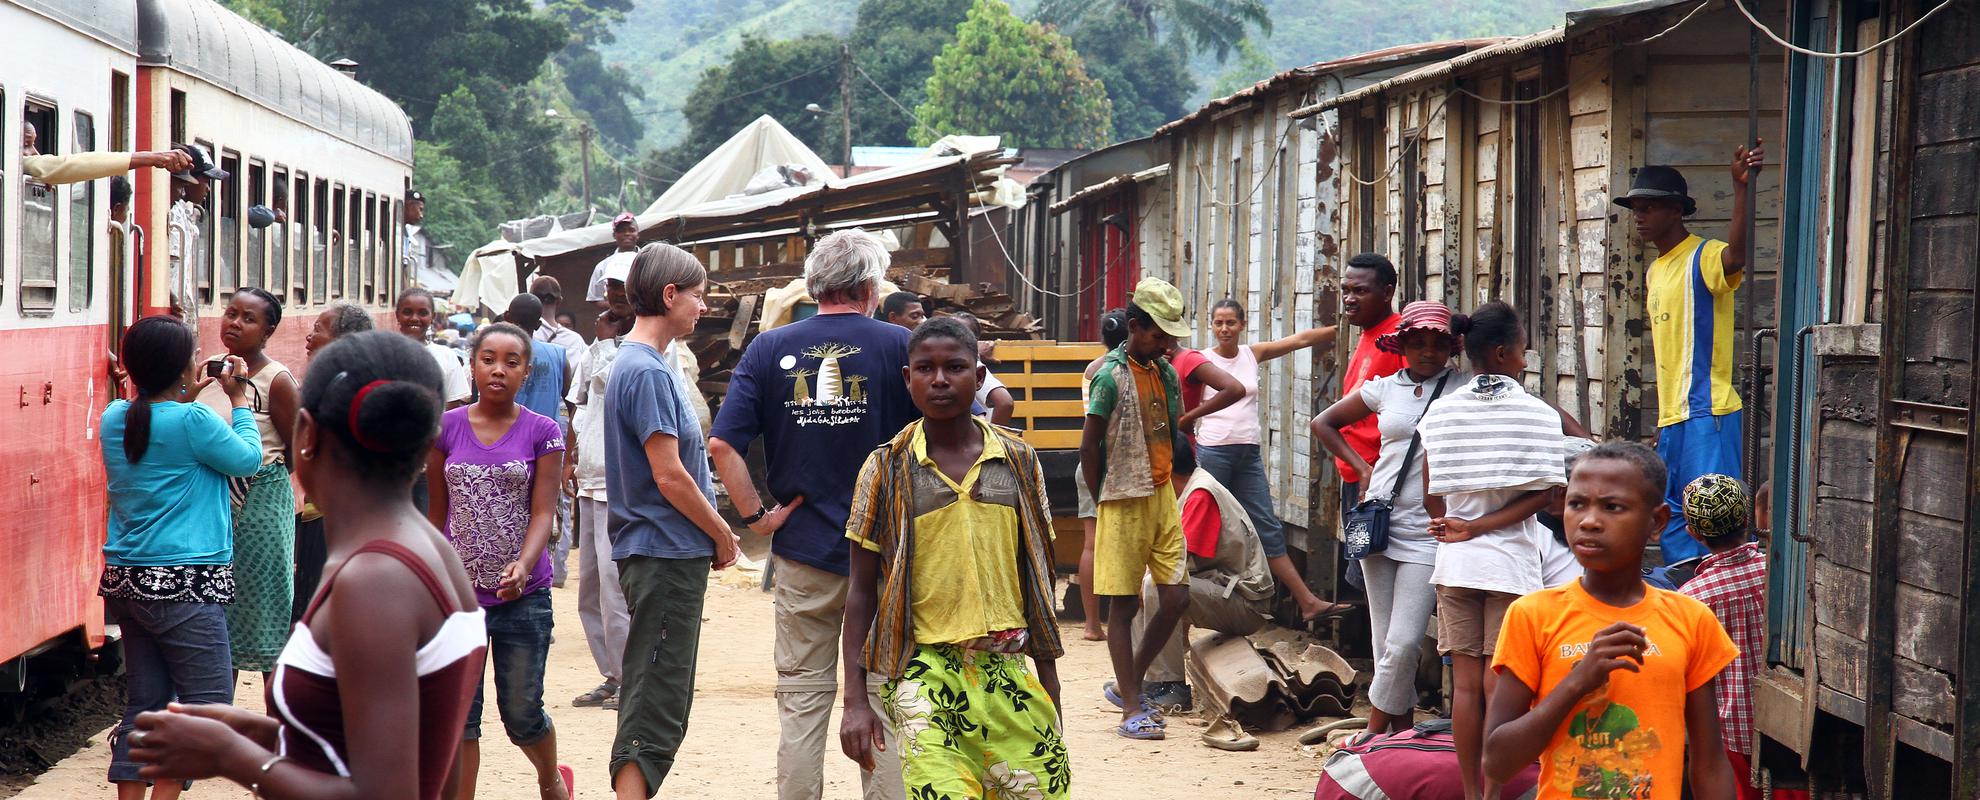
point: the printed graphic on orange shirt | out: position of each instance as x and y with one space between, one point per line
836 397
1607 753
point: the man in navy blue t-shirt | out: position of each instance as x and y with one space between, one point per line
822 393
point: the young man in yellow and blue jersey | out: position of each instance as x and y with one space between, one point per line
1691 330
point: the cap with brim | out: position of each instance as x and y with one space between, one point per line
619 266
625 218
1162 302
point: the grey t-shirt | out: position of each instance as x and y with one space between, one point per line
645 395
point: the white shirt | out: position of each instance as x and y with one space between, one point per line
556 334
453 372
1557 563
1505 560
1236 423
594 370
983 390
182 241
1397 404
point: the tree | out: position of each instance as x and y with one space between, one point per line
761 77
1214 26
415 52
895 43
1148 83
1253 65
1022 81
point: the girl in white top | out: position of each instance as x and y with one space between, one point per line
1400 596
1227 441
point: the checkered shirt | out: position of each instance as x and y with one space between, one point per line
1734 585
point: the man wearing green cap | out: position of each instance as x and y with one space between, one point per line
1133 415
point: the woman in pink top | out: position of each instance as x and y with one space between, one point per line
1227 441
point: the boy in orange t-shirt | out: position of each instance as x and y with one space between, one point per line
1607 680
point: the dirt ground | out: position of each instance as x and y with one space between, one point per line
730 750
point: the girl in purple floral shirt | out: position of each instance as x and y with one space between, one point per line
499 464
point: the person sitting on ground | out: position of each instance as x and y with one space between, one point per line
1481 503
370 694
1732 581
1125 454
1690 304
902 308
1608 680
958 505
1230 587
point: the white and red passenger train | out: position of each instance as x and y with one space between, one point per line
134 75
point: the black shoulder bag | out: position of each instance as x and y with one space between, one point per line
1366 528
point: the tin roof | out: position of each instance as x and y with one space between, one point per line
200 38
1360 62
112 22
1578 21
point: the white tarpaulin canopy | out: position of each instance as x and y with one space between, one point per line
488 277
721 174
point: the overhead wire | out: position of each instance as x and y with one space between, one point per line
1794 48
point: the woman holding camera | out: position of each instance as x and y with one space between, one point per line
264 505
169 554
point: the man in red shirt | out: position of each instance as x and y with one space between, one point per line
1368 293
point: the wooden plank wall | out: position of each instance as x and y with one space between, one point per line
1934 347
1244 200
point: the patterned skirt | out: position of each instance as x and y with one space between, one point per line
264 571
975 724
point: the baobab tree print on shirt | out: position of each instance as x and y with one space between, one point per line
823 392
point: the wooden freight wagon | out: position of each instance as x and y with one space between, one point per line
1872 683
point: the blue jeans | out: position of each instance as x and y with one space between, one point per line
1694 447
1240 469
518 646
173 651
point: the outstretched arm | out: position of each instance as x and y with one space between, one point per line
1311 337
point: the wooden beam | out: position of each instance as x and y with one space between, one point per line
745 313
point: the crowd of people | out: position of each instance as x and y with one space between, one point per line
911 564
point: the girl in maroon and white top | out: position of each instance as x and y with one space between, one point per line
394 622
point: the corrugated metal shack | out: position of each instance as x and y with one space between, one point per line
1489 176
1074 266
1874 632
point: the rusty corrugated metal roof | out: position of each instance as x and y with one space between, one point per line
1370 59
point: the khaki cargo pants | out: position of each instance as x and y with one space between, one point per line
810 608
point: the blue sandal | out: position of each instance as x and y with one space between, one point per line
1142 726
1113 695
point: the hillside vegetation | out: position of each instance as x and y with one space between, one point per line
666 44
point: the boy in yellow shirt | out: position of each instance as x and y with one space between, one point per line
1606 680
950 586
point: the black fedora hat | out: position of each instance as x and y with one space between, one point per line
1659 182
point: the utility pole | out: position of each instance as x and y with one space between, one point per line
584 147
846 107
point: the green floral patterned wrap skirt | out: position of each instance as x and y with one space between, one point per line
976 725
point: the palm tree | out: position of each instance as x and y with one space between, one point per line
1215 26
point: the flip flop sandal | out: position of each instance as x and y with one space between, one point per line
595 697
1341 608
1113 695
570 780
1143 727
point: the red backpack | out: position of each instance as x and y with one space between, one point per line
1416 764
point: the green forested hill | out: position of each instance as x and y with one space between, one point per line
666 44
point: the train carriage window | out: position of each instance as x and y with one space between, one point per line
354 247
227 247
208 245
82 221
120 115
338 208
370 248
278 261
397 238
257 238
38 218
384 240
319 254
